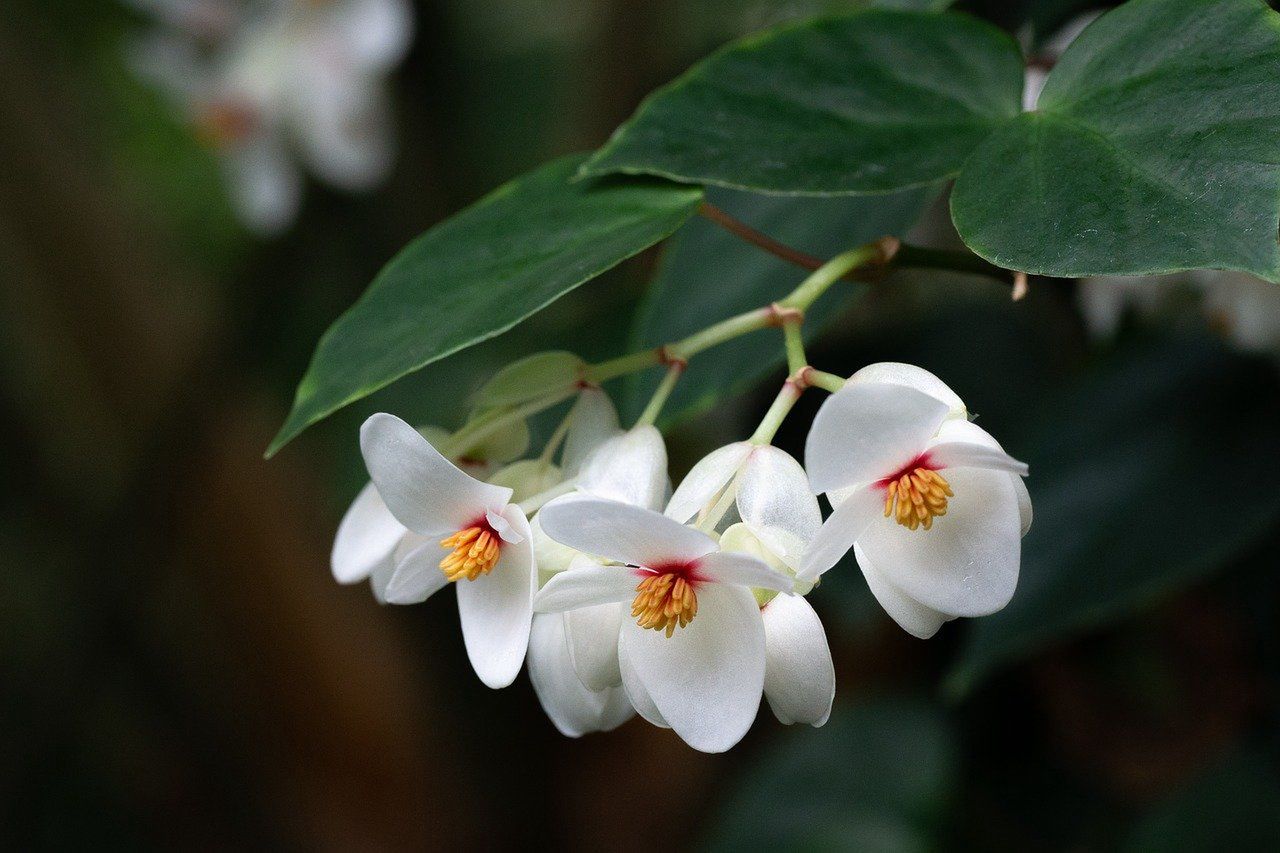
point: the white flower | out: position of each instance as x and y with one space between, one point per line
693 658
370 541
932 506
300 80
1104 300
766 486
573 708
630 467
799 675
472 537
1244 308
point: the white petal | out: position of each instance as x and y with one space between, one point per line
841 529
705 480
425 491
868 431
1024 502
638 694
377 33
343 125
961 454
617 709
593 643
962 430
913 617
774 495
897 373
595 419
572 707
621 532
725 567
967 564
366 537
496 609
706 679
417 575
631 468
799 677
264 184
548 554
586 586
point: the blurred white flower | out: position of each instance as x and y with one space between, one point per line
1104 300
692 658
1243 308
933 508
1039 66
472 536
297 80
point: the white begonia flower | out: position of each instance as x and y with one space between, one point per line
766 486
370 541
799 675
473 537
693 656
573 708
298 80
630 467
932 506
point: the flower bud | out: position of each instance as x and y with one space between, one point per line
542 374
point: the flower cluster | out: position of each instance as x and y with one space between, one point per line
269 85
686 606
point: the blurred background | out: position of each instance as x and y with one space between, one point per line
179 669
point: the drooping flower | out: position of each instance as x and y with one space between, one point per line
692 655
799 675
295 81
473 537
932 506
767 488
370 540
630 467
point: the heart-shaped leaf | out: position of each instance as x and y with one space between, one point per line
869 102
1155 147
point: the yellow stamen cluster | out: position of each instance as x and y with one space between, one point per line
664 602
475 553
917 497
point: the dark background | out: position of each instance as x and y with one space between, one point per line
178 668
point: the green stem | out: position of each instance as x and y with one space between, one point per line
718 333
558 437
472 434
828 274
659 398
794 340
622 365
777 413
825 381
532 504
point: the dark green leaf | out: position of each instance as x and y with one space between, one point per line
876 777
481 272
1139 479
869 102
1235 806
1156 147
707 274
